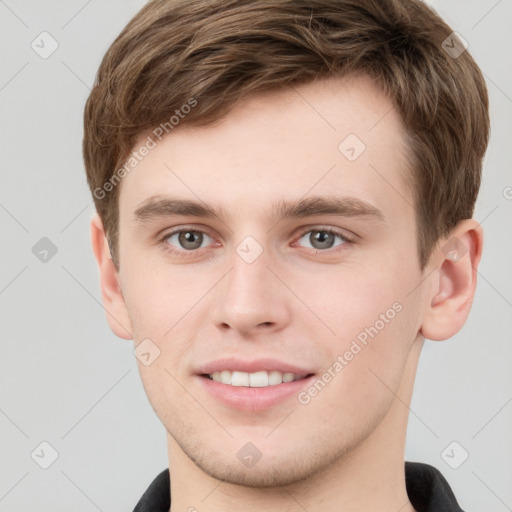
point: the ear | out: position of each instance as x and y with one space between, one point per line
113 300
454 281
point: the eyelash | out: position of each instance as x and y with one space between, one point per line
191 253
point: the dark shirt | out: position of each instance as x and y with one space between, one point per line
426 487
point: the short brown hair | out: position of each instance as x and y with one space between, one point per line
218 52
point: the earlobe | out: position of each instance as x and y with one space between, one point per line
454 281
113 300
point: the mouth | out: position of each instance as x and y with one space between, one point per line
260 379
252 386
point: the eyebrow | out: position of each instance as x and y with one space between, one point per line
160 207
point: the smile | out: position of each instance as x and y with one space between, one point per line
259 379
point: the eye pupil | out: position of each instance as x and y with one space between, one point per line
321 239
190 239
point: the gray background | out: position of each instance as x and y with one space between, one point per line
67 380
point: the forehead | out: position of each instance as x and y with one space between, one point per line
330 136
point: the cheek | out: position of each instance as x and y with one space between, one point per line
375 319
163 305
356 301
364 370
373 360
158 297
166 393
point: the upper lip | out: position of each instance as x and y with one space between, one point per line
256 365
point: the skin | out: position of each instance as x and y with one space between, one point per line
344 450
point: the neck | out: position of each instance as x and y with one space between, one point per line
369 477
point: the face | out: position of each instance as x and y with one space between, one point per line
278 244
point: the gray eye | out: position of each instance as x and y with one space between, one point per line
188 240
321 239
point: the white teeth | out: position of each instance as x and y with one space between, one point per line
275 377
288 377
225 377
254 380
258 379
239 379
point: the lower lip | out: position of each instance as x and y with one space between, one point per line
253 399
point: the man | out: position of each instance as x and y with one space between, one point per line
285 194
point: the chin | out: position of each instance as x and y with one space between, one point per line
270 474
273 467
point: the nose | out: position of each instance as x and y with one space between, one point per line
250 300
